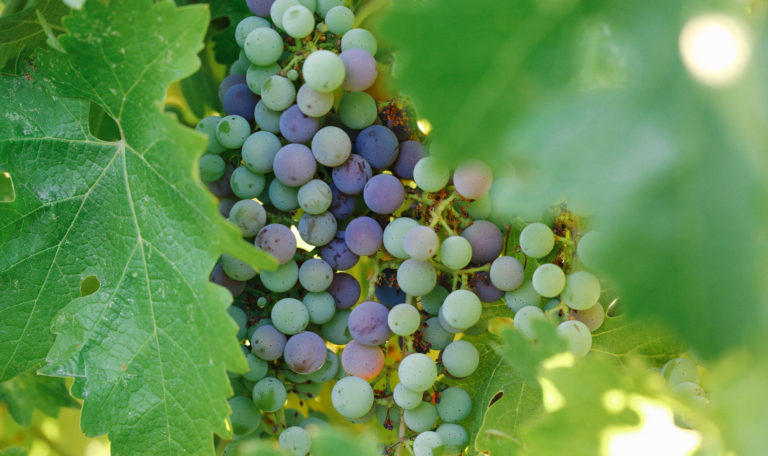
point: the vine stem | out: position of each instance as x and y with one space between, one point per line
437 213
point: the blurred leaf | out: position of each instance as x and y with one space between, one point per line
21 32
332 442
14 451
232 12
526 357
201 90
28 392
623 337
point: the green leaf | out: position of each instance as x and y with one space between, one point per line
526 357
28 392
151 347
22 32
332 442
14 451
224 45
624 337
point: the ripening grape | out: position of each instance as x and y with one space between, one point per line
294 440
426 442
352 397
472 179
394 235
548 280
278 240
421 242
305 352
269 394
345 290
577 335
507 273
582 290
406 398
268 343
486 241
361 360
368 323
537 240
417 372
592 317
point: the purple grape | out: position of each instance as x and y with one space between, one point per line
362 361
388 293
305 352
378 145
240 101
229 81
338 255
364 236
260 7
472 179
384 193
221 187
484 289
368 323
225 205
296 126
486 241
410 153
294 165
278 240
267 343
351 177
345 290
361 70
342 205
219 277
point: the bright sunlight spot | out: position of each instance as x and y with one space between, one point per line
299 241
553 400
565 359
424 125
715 48
614 400
656 434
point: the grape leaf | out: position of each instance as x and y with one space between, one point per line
623 337
224 44
24 30
28 392
151 346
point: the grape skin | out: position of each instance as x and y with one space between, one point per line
360 69
460 358
269 394
364 236
416 278
361 360
268 343
426 442
295 441
582 290
305 352
368 323
278 240
486 241
405 398
417 372
548 280
383 194
421 418
345 290
403 319
454 405
537 240
421 243
507 273
352 397
577 335
290 316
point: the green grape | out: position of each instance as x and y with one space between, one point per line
537 240
240 318
434 334
340 19
359 38
266 119
460 358
311 5
587 247
416 278
249 216
321 306
290 316
259 151
245 416
246 184
430 174
328 371
582 290
208 127
481 208
269 394
524 321
323 6
257 368
394 233
281 279
263 46
421 418
298 21
315 275
461 309
232 131
292 74
679 370
404 319
278 9
405 398
283 197
309 390
432 301
357 110
548 280
352 397
237 269
323 71
314 104
295 441
315 197
454 437
336 330
417 372
688 391
212 168
277 93
523 296
237 68
248 25
256 75
507 273
577 335
455 252
592 317
427 443
455 405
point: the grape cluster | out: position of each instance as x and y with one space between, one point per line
317 172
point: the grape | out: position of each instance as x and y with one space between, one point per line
480 208
455 405
384 194
281 279
315 275
368 323
246 26
342 205
277 93
323 6
378 145
387 291
416 278
410 153
321 307
219 277
360 68
283 197
336 331
331 146
461 309
298 21
246 184
240 101
259 151
404 319
290 316
357 110
430 174
329 369
421 243
266 119
221 187
294 165
267 343
524 296
460 358
426 443
278 9
237 269
305 352
352 397
482 286
361 39
592 317
395 232
454 437
260 7
435 335
582 290
315 197
208 126
314 103
361 360
406 398
232 131
472 179
352 175
269 394
337 254
323 71
444 323
577 335
294 440
363 236
228 82
263 46
363 419
212 168
237 68
486 241
587 248
257 368
417 372
317 230
340 20
524 320
455 252
679 370
421 418
687 391
295 126
432 301
245 416
548 280
345 290
241 319
537 240
507 273
255 77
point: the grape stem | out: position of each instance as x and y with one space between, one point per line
438 212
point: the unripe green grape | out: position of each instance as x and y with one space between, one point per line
340 20
523 296
278 9
359 38
323 71
277 93
421 418
405 398
577 335
416 278
237 269
246 26
455 252
352 397
256 75
417 372
679 370
212 168
281 279
537 240
240 318
432 301
298 21
582 290
263 46
394 233
245 415
208 127
357 110
249 216
290 316
524 321
232 131
257 368
461 309
295 441
246 184
455 405
430 174
454 437
269 394
460 358
404 319
548 280
427 443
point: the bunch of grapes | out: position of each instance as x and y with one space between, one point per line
335 184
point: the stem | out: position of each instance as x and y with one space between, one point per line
436 214
400 435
